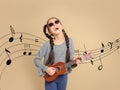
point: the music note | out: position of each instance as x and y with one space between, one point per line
9 60
21 37
27 47
117 40
7 51
11 39
91 61
110 44
85 52
102 50
36 40
100 67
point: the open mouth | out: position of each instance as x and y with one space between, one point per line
56 28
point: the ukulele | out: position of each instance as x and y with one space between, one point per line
61 68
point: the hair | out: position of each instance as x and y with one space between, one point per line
51 54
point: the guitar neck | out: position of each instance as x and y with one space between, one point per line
71 62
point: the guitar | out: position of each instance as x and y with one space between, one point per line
61 68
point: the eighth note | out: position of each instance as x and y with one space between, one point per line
11 39
9 60
27 47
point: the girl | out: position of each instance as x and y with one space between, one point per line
59 48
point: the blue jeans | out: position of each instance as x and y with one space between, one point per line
58 84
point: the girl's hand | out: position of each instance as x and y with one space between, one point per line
78 61
87 56
51 71
83 57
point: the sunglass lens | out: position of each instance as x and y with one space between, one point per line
57 21
50 24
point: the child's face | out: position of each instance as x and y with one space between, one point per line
54 26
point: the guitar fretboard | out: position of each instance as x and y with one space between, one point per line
71 62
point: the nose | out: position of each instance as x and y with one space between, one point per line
54 25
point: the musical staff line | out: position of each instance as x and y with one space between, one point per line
31 44
36 50
2 71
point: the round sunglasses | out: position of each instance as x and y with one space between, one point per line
55 22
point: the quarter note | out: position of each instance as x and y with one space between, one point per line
85 52
11 39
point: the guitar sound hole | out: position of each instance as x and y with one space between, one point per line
57 69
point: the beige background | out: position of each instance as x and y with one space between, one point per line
88 22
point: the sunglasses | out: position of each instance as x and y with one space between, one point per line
55 22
